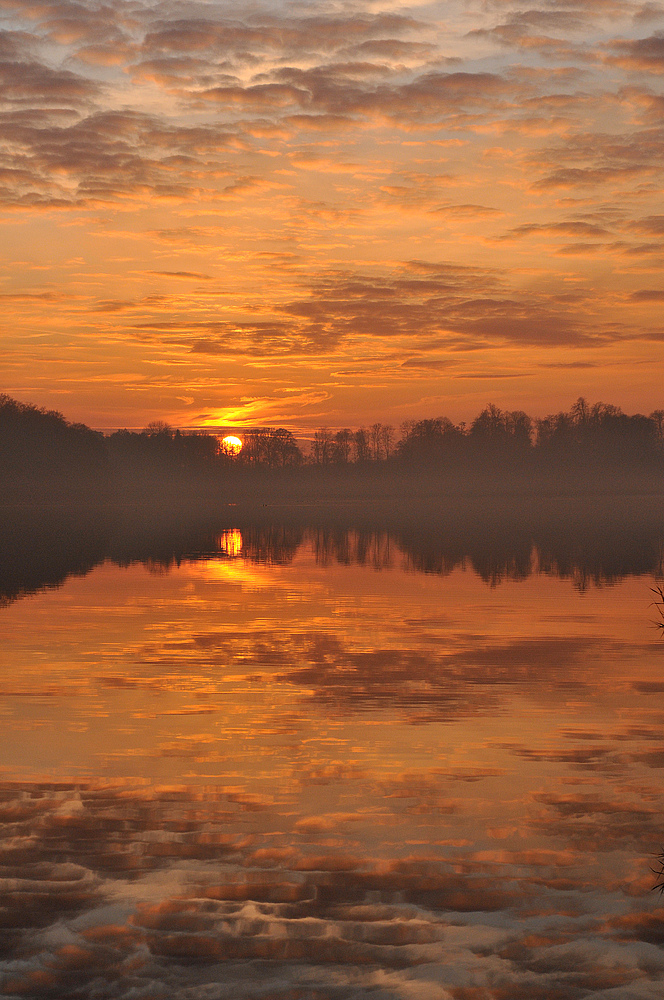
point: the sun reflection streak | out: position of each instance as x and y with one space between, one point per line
231 543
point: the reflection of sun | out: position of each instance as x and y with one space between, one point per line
230 542
231 445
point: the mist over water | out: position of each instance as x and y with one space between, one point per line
310 753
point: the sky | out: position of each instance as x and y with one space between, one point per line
332 213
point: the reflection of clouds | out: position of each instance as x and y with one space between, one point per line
319 841
589 822
167 893
445 685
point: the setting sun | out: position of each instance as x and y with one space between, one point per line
231 445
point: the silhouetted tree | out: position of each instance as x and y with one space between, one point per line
361 445
381 437
274 448
322 447
387 440
36 441
159 428
160 448
657 417
601 432
501 433
342 447
429 442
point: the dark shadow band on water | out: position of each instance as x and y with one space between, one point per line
499 530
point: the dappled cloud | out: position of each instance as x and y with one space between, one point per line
296 161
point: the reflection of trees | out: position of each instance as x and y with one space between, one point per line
589 545
591 551
271 543
494 552
360 547
39 550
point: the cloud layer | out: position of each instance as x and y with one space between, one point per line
367 182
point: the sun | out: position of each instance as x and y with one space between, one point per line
231 445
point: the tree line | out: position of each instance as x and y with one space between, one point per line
38 441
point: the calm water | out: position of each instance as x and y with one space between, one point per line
301 764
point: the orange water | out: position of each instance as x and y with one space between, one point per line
331 779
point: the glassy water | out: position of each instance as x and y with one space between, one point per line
300 763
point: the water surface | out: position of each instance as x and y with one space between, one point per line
314 763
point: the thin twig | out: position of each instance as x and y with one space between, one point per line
658 604
659 873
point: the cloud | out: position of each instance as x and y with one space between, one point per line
553 228
196 275
318 33
592 823
458 304
648 295
105 157
33 83
602 159
531 29
418 306
645 54
15 45
652 225
392 48
457 685
430 97
468 211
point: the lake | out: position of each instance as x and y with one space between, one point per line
301 761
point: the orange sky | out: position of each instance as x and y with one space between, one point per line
330 213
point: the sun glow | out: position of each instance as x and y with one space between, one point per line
231 445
